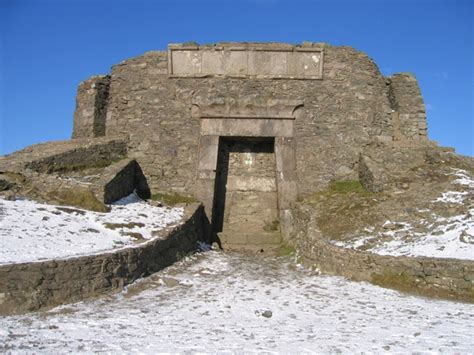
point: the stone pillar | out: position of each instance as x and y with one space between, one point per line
409 116
286 180
91 107
206 172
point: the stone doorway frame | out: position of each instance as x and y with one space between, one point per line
241 118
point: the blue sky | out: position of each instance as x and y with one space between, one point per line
48 46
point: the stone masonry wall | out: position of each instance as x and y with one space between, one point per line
446 278
88 154
91 107
352 105
406 100
32 286
341 114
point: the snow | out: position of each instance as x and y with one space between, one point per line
463 178
451 237
31 231
452 197
215 303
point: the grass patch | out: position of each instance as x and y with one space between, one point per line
337 188
399 281
343 208
347 187
286 250
129 225
81 198
138 238
410 284
272 227
172 199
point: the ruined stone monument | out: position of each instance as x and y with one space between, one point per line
247 127
303 146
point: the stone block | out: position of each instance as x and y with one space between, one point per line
287 193
246 183
208 150
246 128
254 60
371 175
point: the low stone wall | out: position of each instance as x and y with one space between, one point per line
119 180
446 278
90 154
33 286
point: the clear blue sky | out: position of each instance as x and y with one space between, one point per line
48 46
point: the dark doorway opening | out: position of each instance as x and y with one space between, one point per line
245 191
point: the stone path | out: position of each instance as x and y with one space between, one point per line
241 303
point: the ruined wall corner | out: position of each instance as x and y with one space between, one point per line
91 107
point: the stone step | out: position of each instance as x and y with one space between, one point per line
249 238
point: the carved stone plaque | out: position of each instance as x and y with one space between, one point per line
252 61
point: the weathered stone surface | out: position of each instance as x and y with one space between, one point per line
119 180
382 164
59 156
333 119
246 60
39 285
409 115
91 107
371 175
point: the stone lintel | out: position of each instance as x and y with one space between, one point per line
238 127
247 108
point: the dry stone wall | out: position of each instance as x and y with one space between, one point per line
32 286
446 278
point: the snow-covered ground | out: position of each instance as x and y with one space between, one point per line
451 237
233 303
31 231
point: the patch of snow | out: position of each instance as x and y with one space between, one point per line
214 303
463 178
452 197
354 244
132 198
451 237
31 231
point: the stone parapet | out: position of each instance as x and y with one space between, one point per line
39 285
436 277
